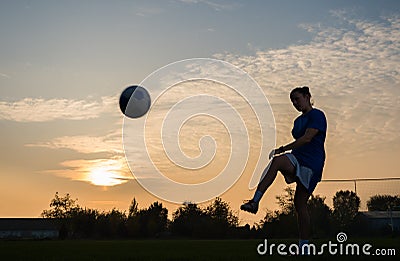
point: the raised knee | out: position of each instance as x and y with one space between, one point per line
283 164
275 163
278 160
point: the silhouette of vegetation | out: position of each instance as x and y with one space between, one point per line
320 217
383 203
61 207
221 217
216 220
189 221
346 205
149 222
281 223
286 201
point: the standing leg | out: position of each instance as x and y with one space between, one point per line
280 163
303 217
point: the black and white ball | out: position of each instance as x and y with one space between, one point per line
134 101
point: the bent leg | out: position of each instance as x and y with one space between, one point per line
280 163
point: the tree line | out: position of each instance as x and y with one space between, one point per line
189 220
217 220
326 222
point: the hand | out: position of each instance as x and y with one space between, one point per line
272 154
276 151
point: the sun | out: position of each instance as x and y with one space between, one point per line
105 172
103 176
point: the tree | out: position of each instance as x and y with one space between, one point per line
111 224
320 216
189 220
148 222
156 217
282 223
286 201
84 222
221 218
383 202
346 205
220 212
61 207
133 208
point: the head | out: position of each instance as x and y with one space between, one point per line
301 99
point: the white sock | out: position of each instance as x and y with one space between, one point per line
303 242
257 196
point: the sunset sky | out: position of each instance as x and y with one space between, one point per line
63 65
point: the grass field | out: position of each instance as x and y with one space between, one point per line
164 250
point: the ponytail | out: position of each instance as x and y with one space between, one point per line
303 90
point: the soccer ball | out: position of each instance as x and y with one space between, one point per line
134 101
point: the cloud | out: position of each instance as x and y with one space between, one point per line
215 5
103 171
42 110
110 143
148 11
3 75
353 71
109 171
100 172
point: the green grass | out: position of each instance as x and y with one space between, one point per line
159 249
129 250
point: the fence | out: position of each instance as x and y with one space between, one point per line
365 188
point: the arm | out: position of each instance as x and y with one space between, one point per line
306 138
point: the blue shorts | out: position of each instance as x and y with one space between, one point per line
303 174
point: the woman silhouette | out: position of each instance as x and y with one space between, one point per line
303 165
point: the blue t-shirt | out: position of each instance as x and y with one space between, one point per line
312 154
